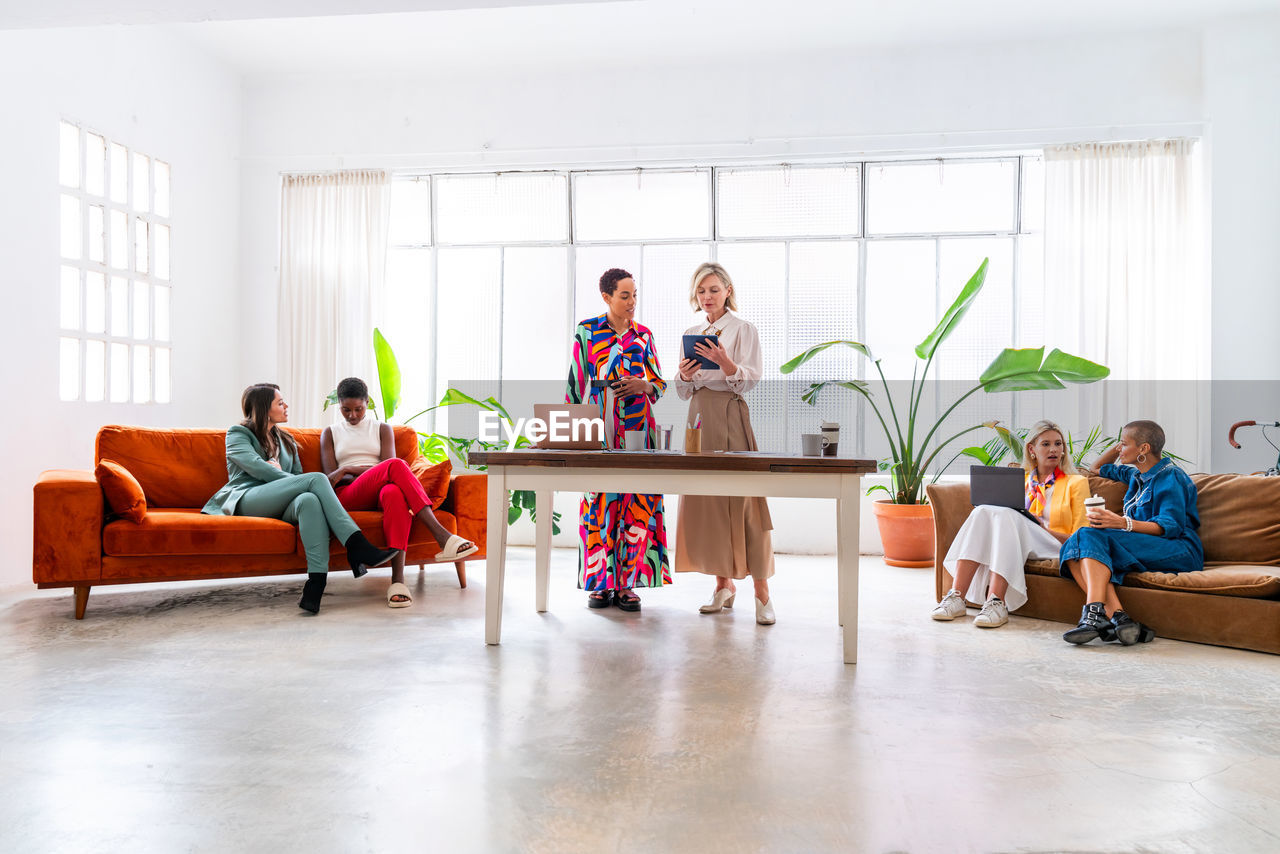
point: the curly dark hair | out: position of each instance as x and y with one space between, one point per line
609 281
353 387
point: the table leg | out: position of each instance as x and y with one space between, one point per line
847 547
496 554
543 508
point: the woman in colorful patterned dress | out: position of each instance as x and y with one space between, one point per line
624 539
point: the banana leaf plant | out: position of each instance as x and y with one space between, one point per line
995 451
914 442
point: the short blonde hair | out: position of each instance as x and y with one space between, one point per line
1040 427
711 268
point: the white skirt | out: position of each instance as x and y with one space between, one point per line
1000 540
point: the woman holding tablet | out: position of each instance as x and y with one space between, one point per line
989 553
728 537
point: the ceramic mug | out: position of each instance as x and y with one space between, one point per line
634 440
811 444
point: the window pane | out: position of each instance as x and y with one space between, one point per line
141 182
941 196
162 313
664 308
119 240
95 302
788 201
408 327
95 164
119 174
162 252
1033 194
759 273
68 157
642 205
162 188
162 375
590 262
68 369
501 208
1031 331
119 306
71 234
822 297
468 337
900 273
69 299
141 310
535 325
119 386
140 244
97 234
141 374
95 370
410 212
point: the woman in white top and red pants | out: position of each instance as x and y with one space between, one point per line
728 537
358 453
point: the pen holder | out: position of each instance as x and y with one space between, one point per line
693 440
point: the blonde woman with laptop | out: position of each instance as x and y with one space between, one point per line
995 542
719 535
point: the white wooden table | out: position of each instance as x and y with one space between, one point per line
666 472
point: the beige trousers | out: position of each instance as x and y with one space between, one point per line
722 535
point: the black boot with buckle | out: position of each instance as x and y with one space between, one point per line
1128 630
1093 624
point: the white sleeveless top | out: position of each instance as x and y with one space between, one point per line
360 445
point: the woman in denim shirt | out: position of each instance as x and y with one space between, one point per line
1156 533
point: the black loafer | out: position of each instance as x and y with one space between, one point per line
627 603
600 599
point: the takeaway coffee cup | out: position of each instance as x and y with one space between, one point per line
811 444
634 440
1094 502
830 437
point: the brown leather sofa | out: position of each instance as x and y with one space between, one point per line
79 544
1234 601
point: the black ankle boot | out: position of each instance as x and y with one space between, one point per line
1128 630
1093 624
362 554
312 591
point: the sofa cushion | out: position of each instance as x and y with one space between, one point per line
434 478
1239 518
188 532
1047 567
1251 582
124 493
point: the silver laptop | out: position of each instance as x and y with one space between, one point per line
582 426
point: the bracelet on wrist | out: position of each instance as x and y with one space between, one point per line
1128 523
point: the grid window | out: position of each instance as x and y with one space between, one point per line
520 261
114 290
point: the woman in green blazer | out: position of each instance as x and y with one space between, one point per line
265 478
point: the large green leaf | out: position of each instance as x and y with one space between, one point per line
959 308
810 395
1012 362
1074 369
819 348
1028 370
388 374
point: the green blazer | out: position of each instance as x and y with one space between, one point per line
247 467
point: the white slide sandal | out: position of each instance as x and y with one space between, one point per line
398 589
456 548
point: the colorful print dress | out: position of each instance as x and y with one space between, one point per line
623 536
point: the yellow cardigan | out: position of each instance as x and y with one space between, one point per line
1066 504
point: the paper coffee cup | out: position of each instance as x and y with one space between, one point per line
1094 501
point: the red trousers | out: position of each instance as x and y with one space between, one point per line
392 486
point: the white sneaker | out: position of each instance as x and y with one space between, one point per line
993 614
951 606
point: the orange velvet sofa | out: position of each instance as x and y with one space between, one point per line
80 544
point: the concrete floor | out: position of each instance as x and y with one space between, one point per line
217 717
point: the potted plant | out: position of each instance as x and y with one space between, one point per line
904 518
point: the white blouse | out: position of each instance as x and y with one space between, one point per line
360 445
740 338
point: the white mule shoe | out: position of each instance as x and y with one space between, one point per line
764 612
720 600
456 548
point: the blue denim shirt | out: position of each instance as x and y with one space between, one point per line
1164 495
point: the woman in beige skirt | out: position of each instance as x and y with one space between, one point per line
727 537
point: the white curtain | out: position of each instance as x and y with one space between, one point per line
333 251
1125 283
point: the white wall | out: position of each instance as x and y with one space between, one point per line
146 90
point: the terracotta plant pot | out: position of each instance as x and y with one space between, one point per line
906 530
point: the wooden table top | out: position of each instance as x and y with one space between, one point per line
744 461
